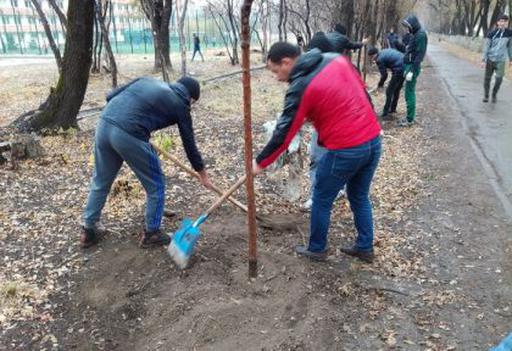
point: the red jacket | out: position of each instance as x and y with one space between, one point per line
326 90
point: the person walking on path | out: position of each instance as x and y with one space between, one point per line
132 112
325 89
197 47
414 55
497 47
393 60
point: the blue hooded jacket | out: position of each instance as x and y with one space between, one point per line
389 59
147 104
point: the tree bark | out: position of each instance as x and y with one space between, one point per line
484 24
246 81
346 15
234 31
62 105
49 35
60 14
158 12
101 19
265 11
221 32
181 25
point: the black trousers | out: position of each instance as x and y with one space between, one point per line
393 93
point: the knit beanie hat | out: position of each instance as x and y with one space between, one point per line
192 86
502 17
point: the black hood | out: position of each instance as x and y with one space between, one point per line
412 22
305 64
321 42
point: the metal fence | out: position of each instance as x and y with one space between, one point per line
23 34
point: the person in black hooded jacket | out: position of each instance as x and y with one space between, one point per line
132 113
414 55
341 42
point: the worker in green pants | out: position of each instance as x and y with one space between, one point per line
414 55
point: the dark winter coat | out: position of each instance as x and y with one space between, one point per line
417 46
147 104
389 59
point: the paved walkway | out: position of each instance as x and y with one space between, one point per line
489 125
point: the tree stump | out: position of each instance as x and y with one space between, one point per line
20 146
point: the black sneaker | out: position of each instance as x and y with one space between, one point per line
366 256
494 99
485 99
302 250
155 238
89 237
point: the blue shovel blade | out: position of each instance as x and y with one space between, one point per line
184 241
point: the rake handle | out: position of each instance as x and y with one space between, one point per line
193 173
224 196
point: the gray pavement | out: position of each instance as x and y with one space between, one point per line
489 125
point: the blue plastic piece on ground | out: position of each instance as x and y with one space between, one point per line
505 345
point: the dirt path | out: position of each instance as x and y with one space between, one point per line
442 280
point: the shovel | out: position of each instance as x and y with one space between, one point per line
193 173
272 222
184 240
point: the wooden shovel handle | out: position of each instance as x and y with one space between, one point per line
193 173
224 196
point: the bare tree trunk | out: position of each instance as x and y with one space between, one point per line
181 25
484 24
60 14
265 12
346 15
49 35
158 12
62 105
234 31
281 19
101 19
96 47
251 203
18 25
224 39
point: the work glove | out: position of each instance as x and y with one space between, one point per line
409 76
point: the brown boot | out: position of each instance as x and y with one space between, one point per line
366 256
154 238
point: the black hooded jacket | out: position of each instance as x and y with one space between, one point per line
417 46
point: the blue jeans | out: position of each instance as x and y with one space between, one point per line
354 167
316 152
112 147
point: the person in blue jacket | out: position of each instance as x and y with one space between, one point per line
132 112
393 60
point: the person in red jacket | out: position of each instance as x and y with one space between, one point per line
325 89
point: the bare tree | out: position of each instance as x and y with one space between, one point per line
100 15
62 105
49 35
226 22
299 17
181 25
158 12
60 14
